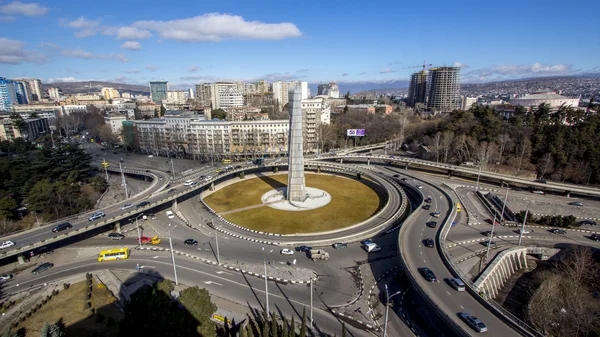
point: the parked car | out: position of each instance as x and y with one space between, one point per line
190 242
472 321
557 231
287 251
126 206
42 267
5 277
576 203
142 204
116 236
396 175
431 224
96 216
303 248
429 243
62 227
428 274
6 244
339 245
457 284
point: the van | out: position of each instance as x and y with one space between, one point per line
371 247
170 215
457 284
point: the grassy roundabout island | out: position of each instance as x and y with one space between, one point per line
352 202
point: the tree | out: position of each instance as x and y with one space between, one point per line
10 333
544 164
303 324
343 329
435 145
106 135
8 206
345 109
503 143
293 327
219 114
53 330
198 304
523 152
162 110
446 144
284 327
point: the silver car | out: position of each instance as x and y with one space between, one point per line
474 322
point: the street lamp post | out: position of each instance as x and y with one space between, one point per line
311 306
387 306
491 236
172 254
523 225
138 229
266 285
505 199
217 242
478 175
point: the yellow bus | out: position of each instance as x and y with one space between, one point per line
458 207
226 161
113 254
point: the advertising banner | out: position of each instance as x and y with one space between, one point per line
355 132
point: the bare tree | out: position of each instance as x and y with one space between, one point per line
486 151
523 152
504 142
7 226
545 163
446 143
435 145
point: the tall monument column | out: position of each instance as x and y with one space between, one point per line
296 187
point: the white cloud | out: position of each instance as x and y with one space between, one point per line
345 74
194 68
387 71
461 65
127 33
517 71
151 67
84 26
133 71
218 27
132 45
13 52
62 79
26 9
305 70
7 18
79 53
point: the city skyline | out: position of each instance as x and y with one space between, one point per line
229 41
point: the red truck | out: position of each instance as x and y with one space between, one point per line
146 239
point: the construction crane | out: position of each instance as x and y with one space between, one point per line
423 66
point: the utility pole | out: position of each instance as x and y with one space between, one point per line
138 230
172 254
487 253
172 168
217 241
105 165
123 182
387 306
523 225
504 205
266 284
311 304
478 175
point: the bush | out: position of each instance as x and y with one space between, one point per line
88 276
66 286
88 304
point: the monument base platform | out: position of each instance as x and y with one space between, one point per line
316 198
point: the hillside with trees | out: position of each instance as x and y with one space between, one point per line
52 182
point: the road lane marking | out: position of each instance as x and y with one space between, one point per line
447 292
211 282
222 272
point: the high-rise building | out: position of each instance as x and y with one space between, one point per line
329 89
177 96
262 86
158 90
417 90
33 87
8 95
230 97
444 89
54 94
190 93
281 90
21 92
110 93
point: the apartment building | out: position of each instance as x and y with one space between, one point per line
115 122
31 129
177 96
110 93
54 94
281 90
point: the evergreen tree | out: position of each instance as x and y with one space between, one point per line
293 328
303 324
243 332
9 333
249 331
284 327
343 329
45 332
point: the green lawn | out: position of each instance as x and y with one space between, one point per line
352 202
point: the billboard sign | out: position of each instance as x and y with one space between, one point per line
355 132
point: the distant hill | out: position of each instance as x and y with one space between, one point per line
95 86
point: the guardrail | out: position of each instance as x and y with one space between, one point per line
409 272
474 173
495 308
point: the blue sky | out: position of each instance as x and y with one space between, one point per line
187 42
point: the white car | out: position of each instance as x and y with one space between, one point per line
419 186
538 192
126 206
207 178
286 251
523 231
6 277
150 156
6 244
188 183
170 214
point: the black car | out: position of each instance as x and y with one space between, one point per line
428 199
595 237
303 248
191 242
172 190
339 245
431 224
558 231
428 274
404 179
62 227
428 243
426 207
148 171
396 175
115 152
588 222
116 236
142 204
42 267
